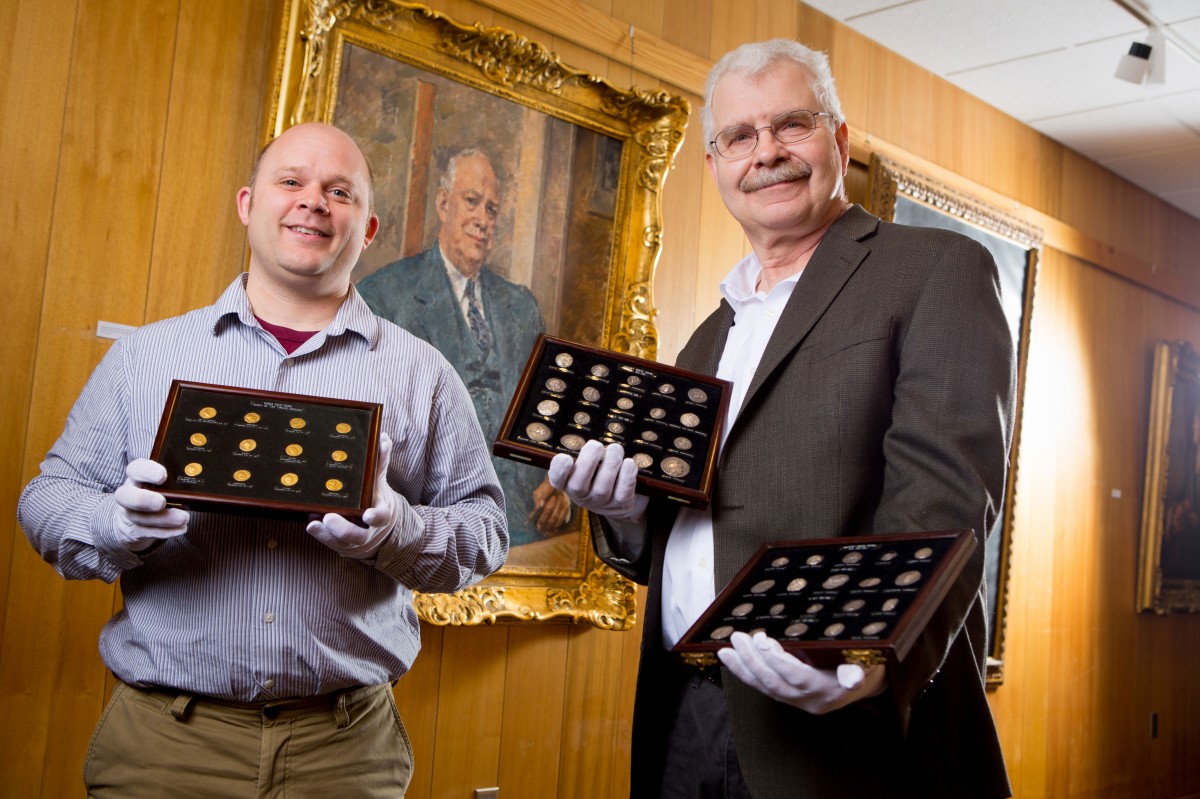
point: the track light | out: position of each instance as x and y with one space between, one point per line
1134 66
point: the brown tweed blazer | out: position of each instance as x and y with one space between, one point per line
883 403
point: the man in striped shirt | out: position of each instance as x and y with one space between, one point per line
254 651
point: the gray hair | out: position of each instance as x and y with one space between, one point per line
755 57
447 181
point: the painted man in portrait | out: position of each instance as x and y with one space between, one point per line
484 324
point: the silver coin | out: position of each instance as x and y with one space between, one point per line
815 560
721 633
908 578
666 388
600 370
762 630
582 418
591 394
923 553
875 627
547 407
643 460
649 435
616 428
836 581
689 420
742 610
852 557
572 441
696 395
795 630
682 444
762 586
624 403
869 582
854 605
889 555
890 604
781 561
557 385
835 629
538 431
634 380
676 467
657 413
815 607
564 359
797 584
778 608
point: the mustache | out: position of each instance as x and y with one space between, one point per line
769 176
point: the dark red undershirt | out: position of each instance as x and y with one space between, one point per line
290 339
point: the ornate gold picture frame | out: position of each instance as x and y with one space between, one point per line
1169 556
901 194
491 154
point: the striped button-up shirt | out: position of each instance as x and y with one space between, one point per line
249 608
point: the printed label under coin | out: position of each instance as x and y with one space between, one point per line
676 467
252 418
192 469
208 413
198 439
538 431
289 479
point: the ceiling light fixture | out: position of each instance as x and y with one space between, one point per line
1134 66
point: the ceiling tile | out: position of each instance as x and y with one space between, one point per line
1164 173
1117 131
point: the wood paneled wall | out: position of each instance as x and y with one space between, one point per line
126 129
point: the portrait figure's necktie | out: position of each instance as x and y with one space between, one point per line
479 325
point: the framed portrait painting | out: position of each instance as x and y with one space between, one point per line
901 194
517 196
1169 558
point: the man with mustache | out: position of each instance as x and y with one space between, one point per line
873 377
483 323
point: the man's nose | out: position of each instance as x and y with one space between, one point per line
769 150
314 200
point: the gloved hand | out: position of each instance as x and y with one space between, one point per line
607 490
142 515
761 663
346 538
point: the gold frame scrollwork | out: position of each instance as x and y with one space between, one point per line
650 126
1009 238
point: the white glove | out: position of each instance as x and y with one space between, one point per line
761 663
346 538
142 515
607 490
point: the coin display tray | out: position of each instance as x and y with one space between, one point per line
667 419
835 600
237 450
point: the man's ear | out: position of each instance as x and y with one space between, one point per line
244 196
372 229
441 200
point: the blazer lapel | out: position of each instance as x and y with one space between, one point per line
438 313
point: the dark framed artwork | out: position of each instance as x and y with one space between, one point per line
539 184
901 194
1169 557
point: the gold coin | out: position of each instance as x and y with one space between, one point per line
289 479
343 427
241 475
676 467
208 413
890 604
199 439
781 561
852 557
649 435
193 469
247 445
297 423
252 418
777 609
869 582
294 450
333 485
338 455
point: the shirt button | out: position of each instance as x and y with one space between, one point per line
272 544
268 617
269 683
703 563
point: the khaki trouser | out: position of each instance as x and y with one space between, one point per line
158 743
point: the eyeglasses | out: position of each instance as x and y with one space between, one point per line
789 128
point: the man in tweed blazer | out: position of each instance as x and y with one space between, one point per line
873 376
